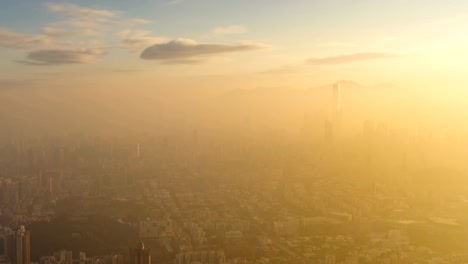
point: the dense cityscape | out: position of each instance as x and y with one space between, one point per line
191 198
233 132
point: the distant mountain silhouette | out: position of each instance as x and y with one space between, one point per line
284 106
350 84
288 92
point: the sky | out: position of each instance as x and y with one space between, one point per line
48 48
371 41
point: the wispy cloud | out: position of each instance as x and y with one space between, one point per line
15 40
229 30
181 50
82 18
60 32
137 40
349 58
77 11
184 61
133 22
174 2
62 56
119 71
62 42
86 21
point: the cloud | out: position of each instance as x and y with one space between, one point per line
55 32
186 49
83 18
60 32
77 11
174 2
349 58
62 56
133 22
14 40
84 24
184 61
119 71
230 30
137 40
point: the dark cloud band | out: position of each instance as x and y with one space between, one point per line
185 50
58 57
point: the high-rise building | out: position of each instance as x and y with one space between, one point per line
114 259
82 257
140 254
337 97
138 151
330 259
336 106
47 260
203 257
3 245
64 256
20 250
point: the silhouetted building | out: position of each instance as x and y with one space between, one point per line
114 259
140 254
203 257
3 245
336 97
48 260
82 257
336 104
64 256
336 114
18 247
138 151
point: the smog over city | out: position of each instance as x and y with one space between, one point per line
233 132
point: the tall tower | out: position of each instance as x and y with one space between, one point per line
23 247
140 254
138 151
336 111
337 96
336 103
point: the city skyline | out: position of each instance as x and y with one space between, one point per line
233 132
106 65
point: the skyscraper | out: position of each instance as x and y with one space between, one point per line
138 151
64 256
21 248
330 259
337 97
5 237
336 104
140 254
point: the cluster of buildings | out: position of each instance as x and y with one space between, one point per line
246 200
16 246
